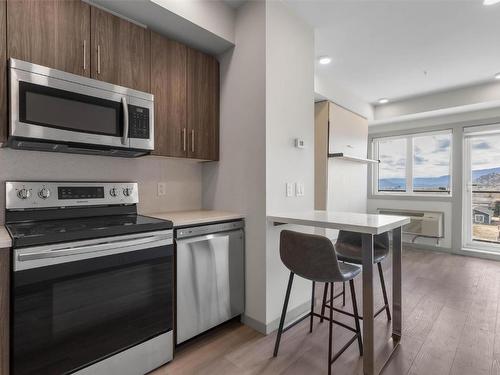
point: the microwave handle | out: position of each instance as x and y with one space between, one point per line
125 121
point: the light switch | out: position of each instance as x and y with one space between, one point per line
299 189
289 189
162 188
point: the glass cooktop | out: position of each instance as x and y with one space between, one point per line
54 231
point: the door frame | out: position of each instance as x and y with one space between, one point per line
468 242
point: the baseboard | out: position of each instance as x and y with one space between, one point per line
253 323
291 316
270 327
426 247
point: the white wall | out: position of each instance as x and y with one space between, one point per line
289 115
183 178
237 181
480 93
214 15
325 89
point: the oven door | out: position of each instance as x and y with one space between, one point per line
58 110
77 304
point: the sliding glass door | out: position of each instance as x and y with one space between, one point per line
482 188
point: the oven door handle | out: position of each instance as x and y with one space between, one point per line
105 246
125 121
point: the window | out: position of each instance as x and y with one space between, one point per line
413 164
479 219
392 166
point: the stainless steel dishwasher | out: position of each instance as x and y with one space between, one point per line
210 276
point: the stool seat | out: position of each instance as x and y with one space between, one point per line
351 253
349 271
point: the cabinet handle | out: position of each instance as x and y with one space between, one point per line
84 55
184 139
192 140
98 59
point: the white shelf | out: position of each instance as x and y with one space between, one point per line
341 155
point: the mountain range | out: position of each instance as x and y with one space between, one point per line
480 176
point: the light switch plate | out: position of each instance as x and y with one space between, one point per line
289 189
162 188
299 189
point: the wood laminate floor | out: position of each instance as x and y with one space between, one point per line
450 321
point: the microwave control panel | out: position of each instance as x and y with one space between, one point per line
138 122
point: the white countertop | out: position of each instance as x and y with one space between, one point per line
183 218
5 240
351 221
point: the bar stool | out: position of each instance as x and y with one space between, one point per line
349 249
313 258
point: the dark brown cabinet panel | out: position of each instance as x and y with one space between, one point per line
121 51
4 309
168 85
3 75
53 33
202 105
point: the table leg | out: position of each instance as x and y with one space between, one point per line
368 313
396 283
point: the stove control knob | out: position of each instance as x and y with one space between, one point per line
24 193
44 193
113 192
127 191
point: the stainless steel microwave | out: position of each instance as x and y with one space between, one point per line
51 110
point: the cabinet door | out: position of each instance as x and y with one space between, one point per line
53 33
168 85
4 309
4 127
120 51
203 106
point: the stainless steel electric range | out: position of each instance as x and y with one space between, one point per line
92 281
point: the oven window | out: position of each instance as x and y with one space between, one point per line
68 316
60 109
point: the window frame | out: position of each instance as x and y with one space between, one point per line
409 165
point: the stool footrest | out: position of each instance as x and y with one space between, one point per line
378 312
344 348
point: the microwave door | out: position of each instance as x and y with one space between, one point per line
52 109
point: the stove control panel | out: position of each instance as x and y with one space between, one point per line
31 194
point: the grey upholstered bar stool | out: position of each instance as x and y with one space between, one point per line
313 258
349 249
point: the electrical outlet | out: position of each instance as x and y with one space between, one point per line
289 189
299 189
162 188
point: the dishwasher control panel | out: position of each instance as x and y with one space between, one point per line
208 229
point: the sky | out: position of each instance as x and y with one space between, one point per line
431 156
485 152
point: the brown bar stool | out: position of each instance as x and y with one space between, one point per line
349 249
313 258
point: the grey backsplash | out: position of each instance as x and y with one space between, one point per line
182 177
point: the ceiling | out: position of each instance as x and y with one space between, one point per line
396 49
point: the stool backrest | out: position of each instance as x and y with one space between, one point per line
310 256
355 239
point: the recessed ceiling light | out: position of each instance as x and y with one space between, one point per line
497 76
490 2
383 101
326 60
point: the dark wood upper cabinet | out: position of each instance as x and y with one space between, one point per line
53 33
121 51
168 85
202 105
3 74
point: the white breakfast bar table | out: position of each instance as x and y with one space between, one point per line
368 225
